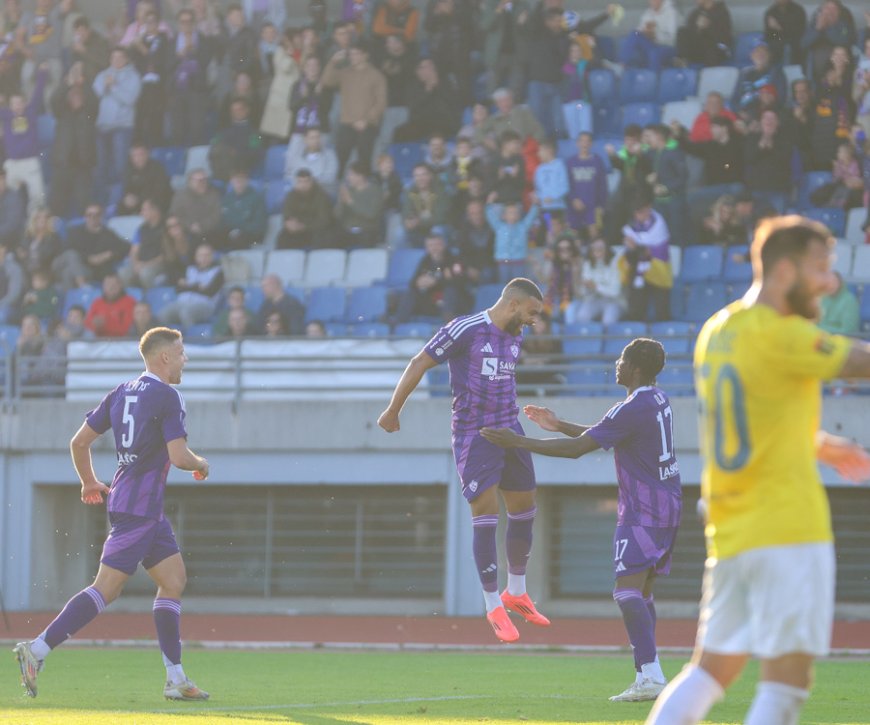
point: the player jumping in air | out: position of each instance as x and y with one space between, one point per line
146 416
769 583
640 429
482 351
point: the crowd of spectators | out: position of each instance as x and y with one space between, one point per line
477 85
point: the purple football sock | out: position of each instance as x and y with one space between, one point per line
79 610
167 620
518 539
638 624
485 552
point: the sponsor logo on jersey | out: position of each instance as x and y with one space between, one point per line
515 350
620 567
127 459
489 366
473 486
487 348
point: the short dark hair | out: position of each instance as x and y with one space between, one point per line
157 338
647 355
785 236
508 135
77 308
81 22
632 131
303 173
521 286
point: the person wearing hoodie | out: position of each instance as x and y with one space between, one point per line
652 44
840 310
668 179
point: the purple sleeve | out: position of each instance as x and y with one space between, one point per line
172 421
99 419
617 425
442 346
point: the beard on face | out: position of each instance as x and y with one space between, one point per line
802 301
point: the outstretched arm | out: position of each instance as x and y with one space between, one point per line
548 420
857 364
553 447
80 450
420 363
182 457
849 459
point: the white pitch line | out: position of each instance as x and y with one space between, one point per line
311 705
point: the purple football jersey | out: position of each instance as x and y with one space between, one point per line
144 415
640 429
482 359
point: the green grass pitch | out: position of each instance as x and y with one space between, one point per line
124 687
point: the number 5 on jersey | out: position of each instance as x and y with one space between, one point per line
128 421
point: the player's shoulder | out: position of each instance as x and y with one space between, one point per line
466 324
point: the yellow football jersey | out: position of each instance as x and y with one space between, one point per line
758 376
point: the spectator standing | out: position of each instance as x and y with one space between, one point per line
277 117
634 167
139 23
509 116
320 160
188 81
785 23
600 295
309 102
646 263
587 180
243 214
94 251
111 314
501 24
548 49
386 177
359 211
12 213
476 244
197 206
510 169
41 245
551 179
244 89
722 154
832 119
145 266
144 178
438 287
668 179
511 238
448 27
21 141
425 204
307 215
239 50
198 292
363 91
706 38
767 165
239 146
276 300
564 284
151 53
395 17
397 63
760 74
432 105
830 25
89 48
11 284
652 45
861 89
118 88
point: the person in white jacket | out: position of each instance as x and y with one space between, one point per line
315 156
652 44
601 286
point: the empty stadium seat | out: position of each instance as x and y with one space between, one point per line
276 190
198 333
273 167
335 329
701 262
406 156
602 86
854 223
254 297
642 114
82 296
676 380
288 264
415 329
734 270
843 253
685 112
833 218
370 329
324 267
173 159
566 148
326 304
718 78
591 380
743 46
675 257
861 264
675 336
365 266
160 297
243 266
606 120
638 85
125 226
8 338
809 182
703 300
403 264
605 47
137 293
487 295
678 300
865 304
274 225
619 334
584 346
578 118
677 84
197 158
367 304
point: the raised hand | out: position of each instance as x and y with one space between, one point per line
544 417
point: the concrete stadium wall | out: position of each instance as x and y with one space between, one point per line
47 555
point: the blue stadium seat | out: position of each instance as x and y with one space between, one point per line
370 329
83 296
865 304
606 120
619 334
592 380
678 300
198 333
578 118
486 295
601 142
701 262
326 304
8 339
811 181
296 292
367 304
414 329
675 336
173 159
403 264
605 47
743 48
136 293
583 338
638 85
406 156
677 380
45 125
736 271
677 84
834 219
276 190
335 329
587 329
160 297
254 297
566 148
602 87
643 114
274 164
704 300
